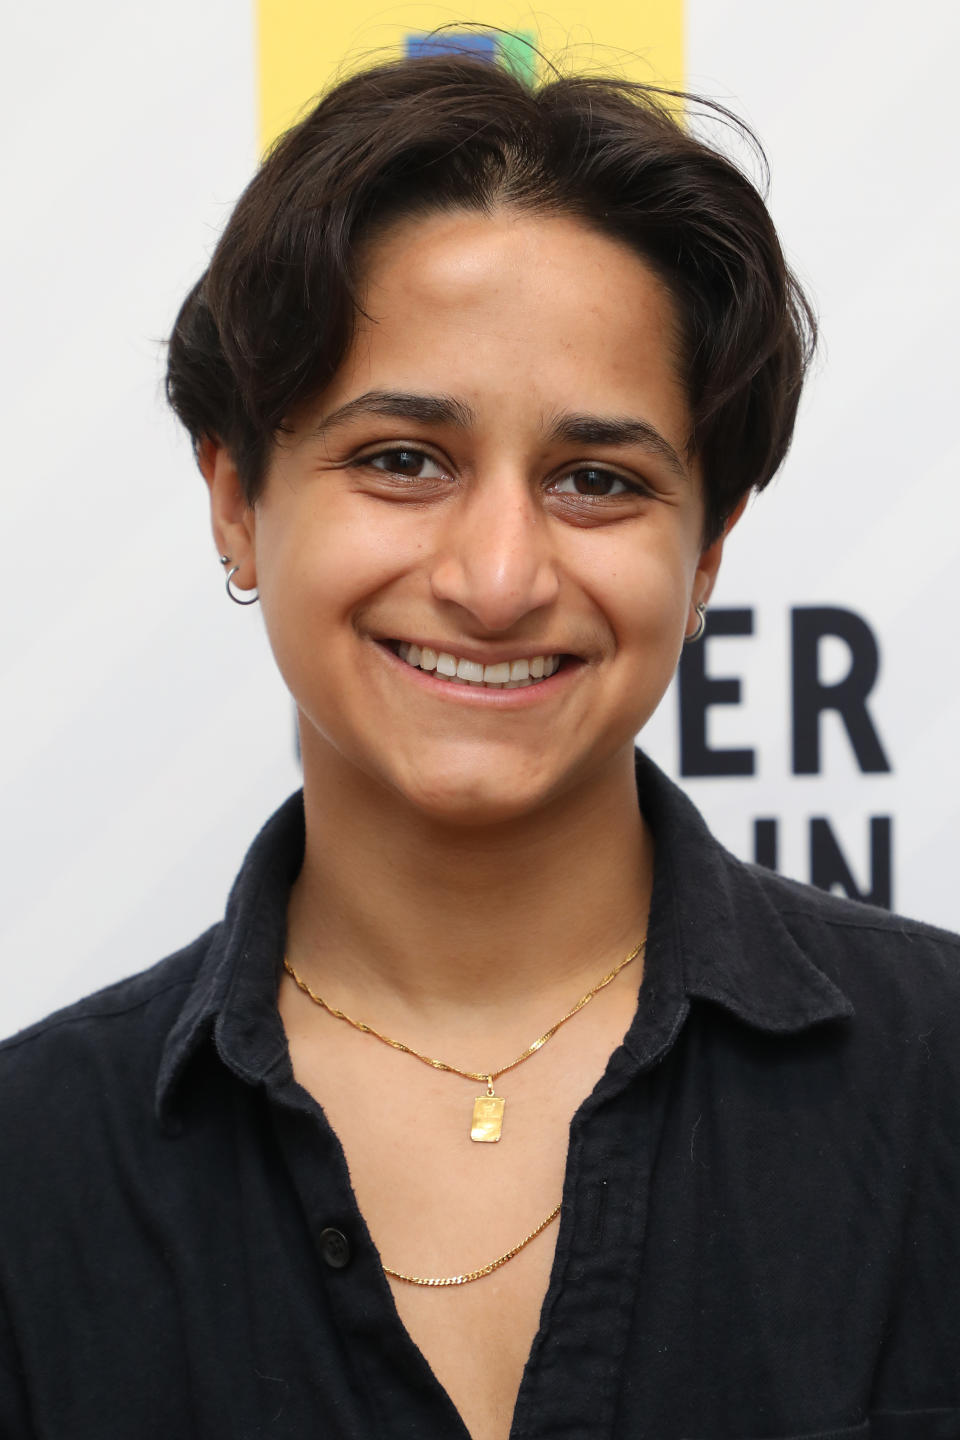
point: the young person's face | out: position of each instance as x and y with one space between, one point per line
498 472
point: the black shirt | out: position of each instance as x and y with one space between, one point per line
759 1234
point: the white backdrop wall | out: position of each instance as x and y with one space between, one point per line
144 733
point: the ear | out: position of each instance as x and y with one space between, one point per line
708 567
234 521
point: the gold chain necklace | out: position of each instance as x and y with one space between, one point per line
487 1123
484 1269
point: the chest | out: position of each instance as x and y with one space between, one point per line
439 1204
729 1263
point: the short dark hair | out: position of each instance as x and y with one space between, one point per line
269 323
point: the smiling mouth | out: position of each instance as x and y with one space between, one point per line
503 675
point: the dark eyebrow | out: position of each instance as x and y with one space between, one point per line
399 405
616 430
446 410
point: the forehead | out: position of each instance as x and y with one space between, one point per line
514 308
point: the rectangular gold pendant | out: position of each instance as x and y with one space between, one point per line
487 1117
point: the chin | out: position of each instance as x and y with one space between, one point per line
466 796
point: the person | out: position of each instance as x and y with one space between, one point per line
503 1101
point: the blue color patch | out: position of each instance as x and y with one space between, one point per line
454 42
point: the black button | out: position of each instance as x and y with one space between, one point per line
335 1248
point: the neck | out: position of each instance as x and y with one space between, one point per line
396 911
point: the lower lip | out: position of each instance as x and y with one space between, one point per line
482 695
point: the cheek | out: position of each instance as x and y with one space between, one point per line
318 564
643 590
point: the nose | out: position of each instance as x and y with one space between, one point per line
495 557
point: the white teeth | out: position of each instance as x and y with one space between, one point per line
504 675
496 674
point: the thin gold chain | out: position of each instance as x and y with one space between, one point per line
442 1280
486 1076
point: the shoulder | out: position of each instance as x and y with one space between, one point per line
121 1028
883 961
885 930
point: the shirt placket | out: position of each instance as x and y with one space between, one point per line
401 1396
571 1384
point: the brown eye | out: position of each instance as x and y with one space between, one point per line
593 482
413 464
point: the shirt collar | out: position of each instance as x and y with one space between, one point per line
233 999
720 919
715 934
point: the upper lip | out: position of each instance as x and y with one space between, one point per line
482 654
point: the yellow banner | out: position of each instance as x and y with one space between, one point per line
304 45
